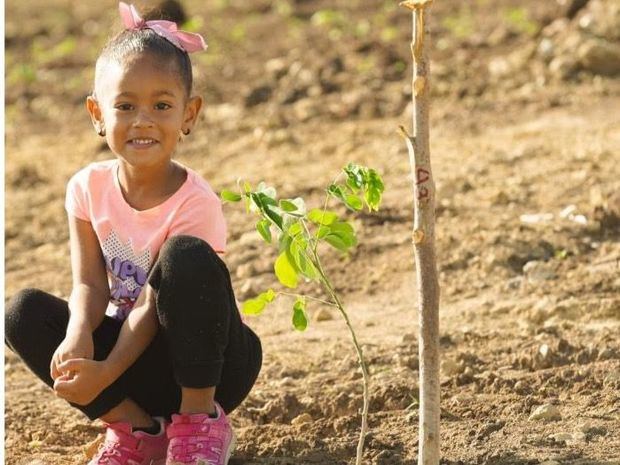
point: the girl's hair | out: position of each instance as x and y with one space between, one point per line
131 42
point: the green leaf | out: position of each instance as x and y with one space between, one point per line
322 232
253 307
285 272
267 296
355 176
257 305
298 257
336 242
300 319
300 204
287 206
307 268
277 219
345 231
318 216
263 229
374 190
295 229
341 236
336 191
353 202
267 200
230 196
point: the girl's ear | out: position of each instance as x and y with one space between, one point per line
192 110
96 116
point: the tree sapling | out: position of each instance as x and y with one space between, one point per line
299 234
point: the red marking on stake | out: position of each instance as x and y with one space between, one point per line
422 193
422 176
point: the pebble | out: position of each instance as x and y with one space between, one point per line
245 270
600 56
302 419
546 412
562 437
323 315
450 367
537 271
612 378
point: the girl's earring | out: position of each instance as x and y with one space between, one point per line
101 131
186 132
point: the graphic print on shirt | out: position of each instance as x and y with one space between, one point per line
128 273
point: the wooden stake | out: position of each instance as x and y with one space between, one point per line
423 236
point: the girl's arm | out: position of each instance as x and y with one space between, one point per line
91 292
136 334
89 296
89 377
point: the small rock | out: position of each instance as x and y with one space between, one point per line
577 437
258 95
612 378
562 437
537 271
546 412
302 419
591 431
245 270
563 67
514 283
276 67
450 367
306 109
600 56
549 462
546 49
250 238
323 315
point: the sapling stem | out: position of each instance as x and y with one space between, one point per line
361 360
298 249
423 236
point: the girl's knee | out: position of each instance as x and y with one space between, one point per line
187 256
23 311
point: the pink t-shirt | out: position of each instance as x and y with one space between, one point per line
130 239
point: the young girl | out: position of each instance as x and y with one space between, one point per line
151 341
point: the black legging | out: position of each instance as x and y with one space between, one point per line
201 341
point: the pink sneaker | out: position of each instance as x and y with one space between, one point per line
122 447
197 439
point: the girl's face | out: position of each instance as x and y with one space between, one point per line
142 105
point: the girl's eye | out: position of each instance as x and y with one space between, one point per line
162 106
123 106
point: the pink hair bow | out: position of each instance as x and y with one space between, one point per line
187 41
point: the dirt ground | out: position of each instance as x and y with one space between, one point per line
525 145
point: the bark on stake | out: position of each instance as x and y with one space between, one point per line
423 237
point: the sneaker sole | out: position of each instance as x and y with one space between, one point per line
229 452
231 447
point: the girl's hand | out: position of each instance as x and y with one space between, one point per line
82 380
77 344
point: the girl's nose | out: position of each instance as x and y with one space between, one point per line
143 119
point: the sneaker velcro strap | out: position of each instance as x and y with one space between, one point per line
188 429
